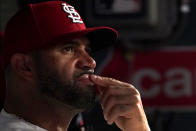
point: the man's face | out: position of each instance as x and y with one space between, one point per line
63 73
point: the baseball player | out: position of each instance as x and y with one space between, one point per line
50 74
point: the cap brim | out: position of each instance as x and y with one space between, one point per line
100 37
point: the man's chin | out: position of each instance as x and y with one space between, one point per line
79 105
86 99
81 99
84 84
82 106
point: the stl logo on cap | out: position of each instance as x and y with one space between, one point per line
72 13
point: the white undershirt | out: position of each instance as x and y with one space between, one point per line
11 122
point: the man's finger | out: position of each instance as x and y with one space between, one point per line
116 91
105 81
117 111
117 100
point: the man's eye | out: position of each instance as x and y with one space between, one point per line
89 51
68 49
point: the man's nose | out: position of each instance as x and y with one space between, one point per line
86 62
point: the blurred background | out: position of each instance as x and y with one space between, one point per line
156 52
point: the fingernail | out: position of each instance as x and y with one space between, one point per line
94 76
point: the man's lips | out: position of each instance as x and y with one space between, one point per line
84 79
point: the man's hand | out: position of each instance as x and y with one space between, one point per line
121 104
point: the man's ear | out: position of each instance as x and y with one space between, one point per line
22 65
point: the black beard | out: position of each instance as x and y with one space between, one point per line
66 92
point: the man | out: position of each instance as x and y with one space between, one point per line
50 73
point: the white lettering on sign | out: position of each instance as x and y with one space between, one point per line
152 74
175 82
72 13
184 81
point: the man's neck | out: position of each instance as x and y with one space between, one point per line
45 113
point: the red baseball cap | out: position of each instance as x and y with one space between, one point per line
43 24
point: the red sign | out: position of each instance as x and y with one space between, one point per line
165 78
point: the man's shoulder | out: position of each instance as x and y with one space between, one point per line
10 122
